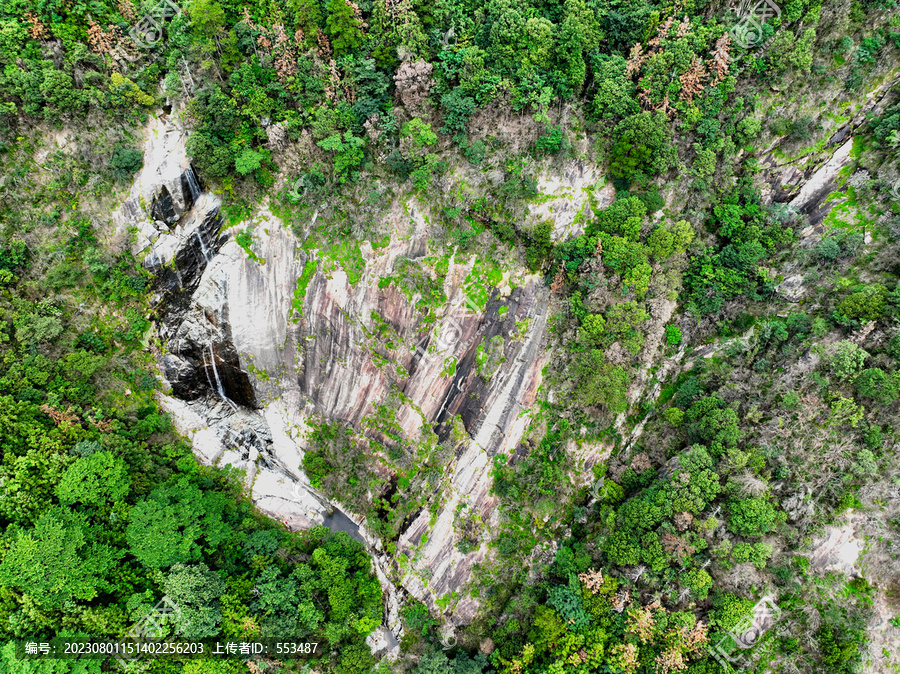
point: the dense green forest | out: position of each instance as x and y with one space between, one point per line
337 108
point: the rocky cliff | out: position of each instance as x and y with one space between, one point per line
256 352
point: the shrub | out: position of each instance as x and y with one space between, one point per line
790 400
674 416
847 360
248 161
553 142
125 162
652 201
876 384
868 304
673 335
599 382
661 243
457 109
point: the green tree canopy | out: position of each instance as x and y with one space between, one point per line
97 480
53 562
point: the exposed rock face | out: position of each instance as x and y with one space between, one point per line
811 198
569 198
791 288
837 550
250 373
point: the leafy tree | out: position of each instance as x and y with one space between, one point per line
867 305
348 153
343 27
593 331
673 335
371 87
196 591
699 581
125 162
207 17
660 243
538 245
248 161
59 91
99 479
642 146
839 651
166 527
623 549
711 422
286 604
261 543
729 610
29 481
419 133
753 516
307 16
615 92
55 562
623 320
598 382
875 383
458 108
567 602
579 34
125 92
211 156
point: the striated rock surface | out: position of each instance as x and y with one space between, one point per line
256 353
791 288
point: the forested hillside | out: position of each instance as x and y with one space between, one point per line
579 320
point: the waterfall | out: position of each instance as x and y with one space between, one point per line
192 183
219 388
206 369
202 245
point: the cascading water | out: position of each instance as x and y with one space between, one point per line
193 184
219 388
203 248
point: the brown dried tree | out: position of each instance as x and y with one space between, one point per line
692 80
98 41
721 60
325 50
592 580
558 281
683 520
285 56
640 623
635 60
126 9
661 33
696 638
38 30
640 462
676 545
670 660
59 417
